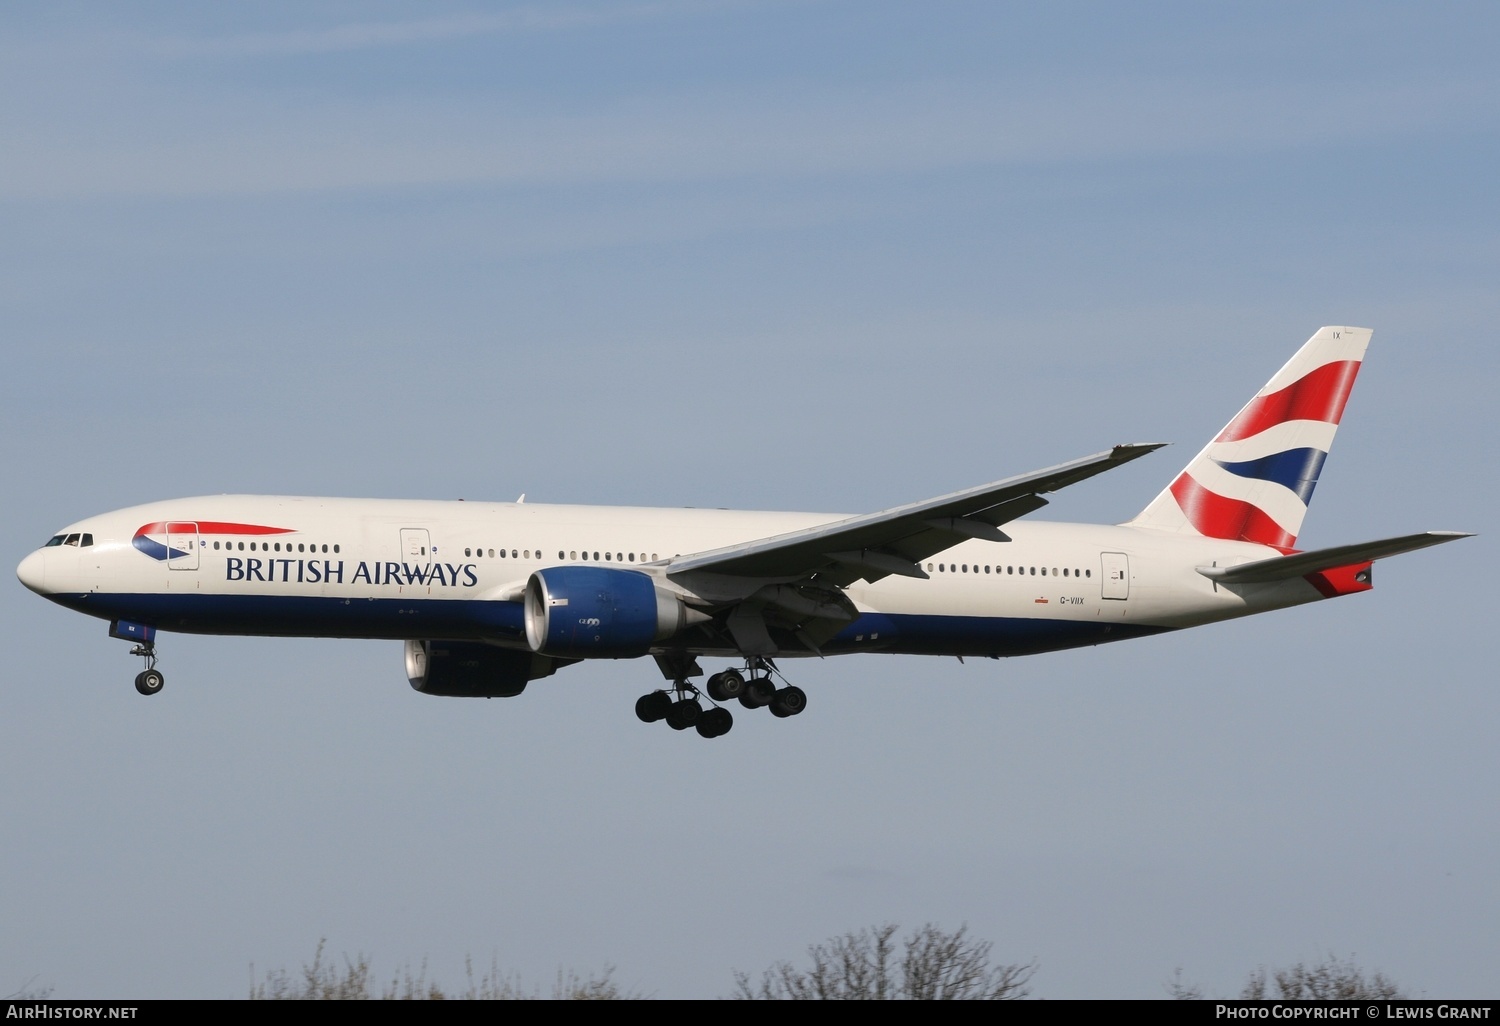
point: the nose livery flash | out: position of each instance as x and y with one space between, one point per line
144 542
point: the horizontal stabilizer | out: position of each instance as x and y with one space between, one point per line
1281 568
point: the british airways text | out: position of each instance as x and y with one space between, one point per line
323 571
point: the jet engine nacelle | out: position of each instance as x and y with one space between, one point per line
467 669
582 612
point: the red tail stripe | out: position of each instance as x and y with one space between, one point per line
1218 516
1317 395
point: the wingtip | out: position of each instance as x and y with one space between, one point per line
1131 450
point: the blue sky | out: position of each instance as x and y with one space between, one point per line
826 256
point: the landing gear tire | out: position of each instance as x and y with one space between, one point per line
715 723
758 692
684 714
652 707
149 682
727 685
788 701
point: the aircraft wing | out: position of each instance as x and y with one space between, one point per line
1281 568
895 541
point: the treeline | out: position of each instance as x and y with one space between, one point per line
871 964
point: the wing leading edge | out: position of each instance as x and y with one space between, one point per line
895 541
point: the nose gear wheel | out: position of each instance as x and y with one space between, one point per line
150 680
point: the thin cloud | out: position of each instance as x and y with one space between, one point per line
374 35
211 149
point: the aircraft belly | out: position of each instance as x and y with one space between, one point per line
314 616
934 634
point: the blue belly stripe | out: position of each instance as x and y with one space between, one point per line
310 616
398 619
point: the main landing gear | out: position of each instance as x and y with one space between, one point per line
150 680
758 690
681 708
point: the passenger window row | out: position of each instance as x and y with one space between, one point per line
1024 571
82 540
274 547
583 556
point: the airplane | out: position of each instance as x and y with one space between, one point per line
491 596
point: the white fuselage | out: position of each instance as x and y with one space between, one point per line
425 569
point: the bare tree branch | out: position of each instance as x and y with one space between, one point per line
933 965
1332 979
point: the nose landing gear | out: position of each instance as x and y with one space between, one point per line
150 680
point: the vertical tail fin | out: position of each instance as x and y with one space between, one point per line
1254 480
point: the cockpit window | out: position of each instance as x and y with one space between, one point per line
72 539
88 540
56 539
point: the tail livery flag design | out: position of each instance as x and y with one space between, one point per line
1254 480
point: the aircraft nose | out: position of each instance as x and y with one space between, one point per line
32 573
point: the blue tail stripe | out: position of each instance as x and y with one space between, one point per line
1296 469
